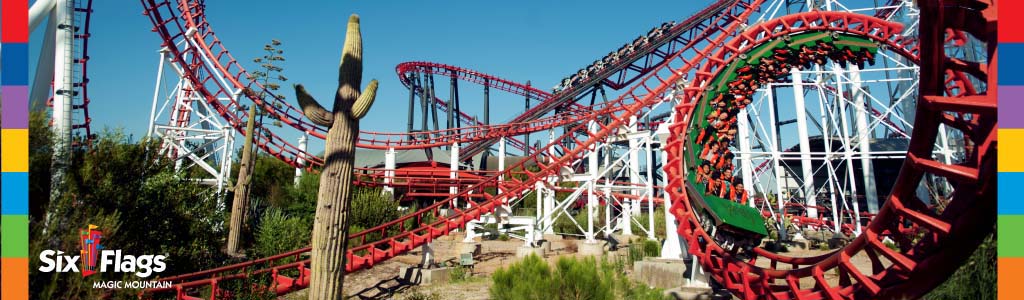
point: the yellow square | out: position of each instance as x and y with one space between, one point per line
1011 141
15 150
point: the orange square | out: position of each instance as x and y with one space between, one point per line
15 279
1011 274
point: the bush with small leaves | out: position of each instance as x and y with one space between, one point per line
457 274
571 278
279 233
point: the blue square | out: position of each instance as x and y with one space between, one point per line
15 193
14 60
1011 65
1007 194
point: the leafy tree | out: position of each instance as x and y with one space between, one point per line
132 193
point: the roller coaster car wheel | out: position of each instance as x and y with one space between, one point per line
708 223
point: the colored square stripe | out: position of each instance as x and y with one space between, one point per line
14 150
14 237
15 194
1011 25
1011 67
1009 197
14 22
14 60
1011 275
1010 161
1010 107
15 279
15 106
1011 243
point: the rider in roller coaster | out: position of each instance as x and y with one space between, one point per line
716 168
612 57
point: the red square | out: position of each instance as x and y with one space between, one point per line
15 21
1011 26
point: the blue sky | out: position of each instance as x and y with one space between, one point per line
542 41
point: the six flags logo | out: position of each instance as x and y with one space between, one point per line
90 240
93 255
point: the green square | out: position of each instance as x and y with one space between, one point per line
1010 241
14 236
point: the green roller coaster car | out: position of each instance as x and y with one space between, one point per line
734 226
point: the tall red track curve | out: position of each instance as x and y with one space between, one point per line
909 271
944 240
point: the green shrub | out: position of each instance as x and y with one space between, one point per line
279 233
527 279
571 278
637 251
371 207
457 274
583 280
652 248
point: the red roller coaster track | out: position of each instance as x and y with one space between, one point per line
920 262
945 239
202 44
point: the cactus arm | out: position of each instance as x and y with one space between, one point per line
362 106
313 110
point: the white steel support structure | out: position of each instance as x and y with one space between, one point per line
592 167
454 173
541 209
649 161
746 167
832 116
301 160
548 218
847 148
805 144
619 170
56 63
389 171
857 108
780 197
864 139
606 192
671 248
191 131
832 179
630 206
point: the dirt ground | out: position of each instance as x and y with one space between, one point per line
383 281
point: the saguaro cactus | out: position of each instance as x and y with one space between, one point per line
330 228
238 208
